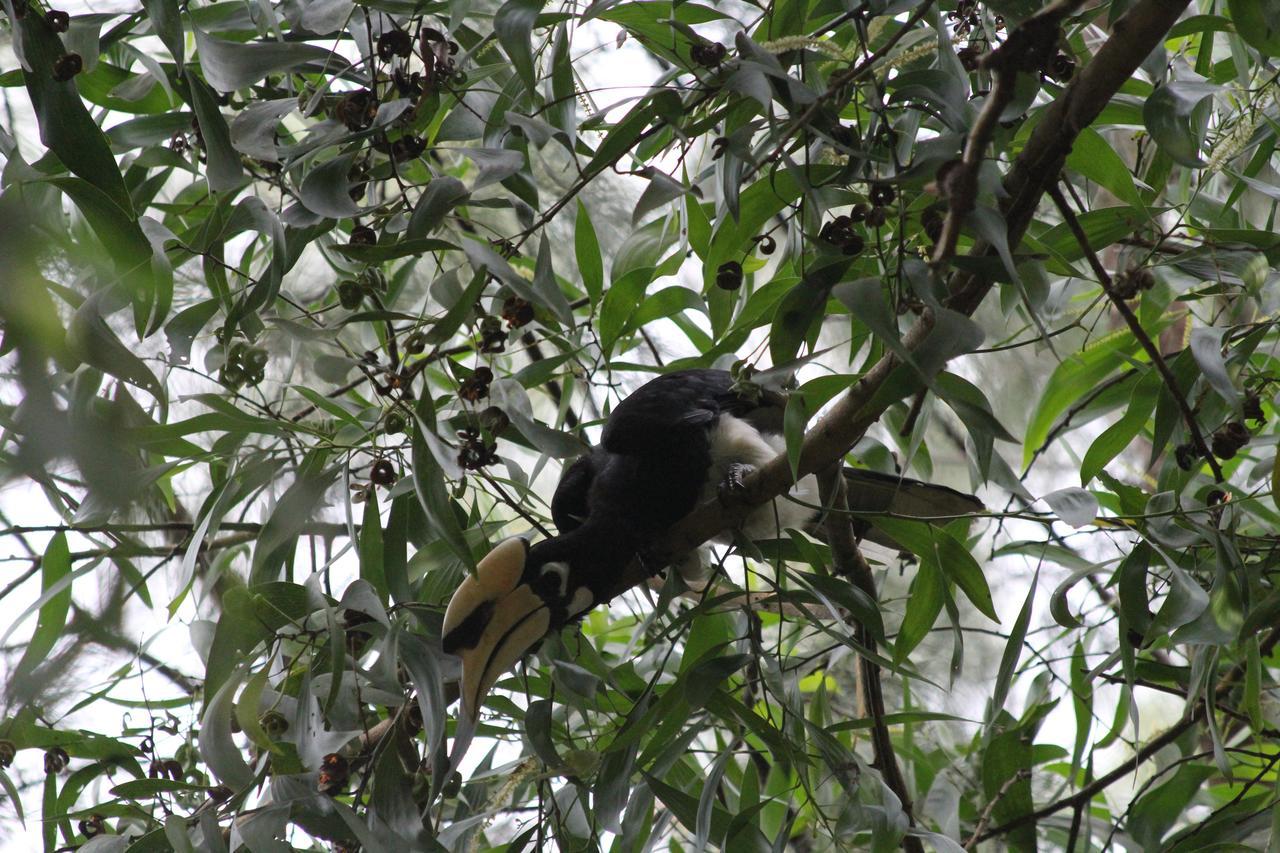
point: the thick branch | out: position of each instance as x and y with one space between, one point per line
1134 36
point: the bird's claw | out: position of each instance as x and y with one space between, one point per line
732 488
653 564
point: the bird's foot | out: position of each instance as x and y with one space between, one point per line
733 487
653 564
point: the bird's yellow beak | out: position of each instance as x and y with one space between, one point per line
492 621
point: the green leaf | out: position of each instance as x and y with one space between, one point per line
230 65
247 715
587 251
429 484
928 592
55 588
1258 23
296 507
326 189
1071 380
166 22
1206 348
224 170
936 545
441 195
1156 811
707 800
1093 157
1077 507
1176 116
66 127
92 341
217 745
1012 652
685 808
1119 435
249 617
371 546
513 24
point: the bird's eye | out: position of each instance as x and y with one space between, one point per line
555 576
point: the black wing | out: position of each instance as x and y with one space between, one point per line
570 505
666 411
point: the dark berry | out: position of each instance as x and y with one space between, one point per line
1253 408
363 235
882 194
407 148
94 824
1229 438
877 216
493 338
476 385
350 294
766 244
854 245
707 54
356 109
1185 455
383 473
394 424
1061 68
517 312
729 276
334 773
58 20
394 43
67 66
56 760
1124 285
415 343
931 222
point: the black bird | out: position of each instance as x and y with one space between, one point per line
673 443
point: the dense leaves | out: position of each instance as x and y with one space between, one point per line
306 305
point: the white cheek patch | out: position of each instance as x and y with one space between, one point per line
581 602
561 571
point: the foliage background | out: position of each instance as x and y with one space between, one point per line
258 257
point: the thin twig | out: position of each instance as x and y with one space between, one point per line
990 807
1225 685
838 82
1135 326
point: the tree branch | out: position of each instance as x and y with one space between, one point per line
1024 51
1135 326
1088 792
849 563
1134 36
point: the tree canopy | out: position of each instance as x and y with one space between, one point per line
305 305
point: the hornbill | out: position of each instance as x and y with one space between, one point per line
678 440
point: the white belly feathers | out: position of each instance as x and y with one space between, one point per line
735 441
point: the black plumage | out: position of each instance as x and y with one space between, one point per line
664 449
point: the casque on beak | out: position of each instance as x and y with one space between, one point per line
492 621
